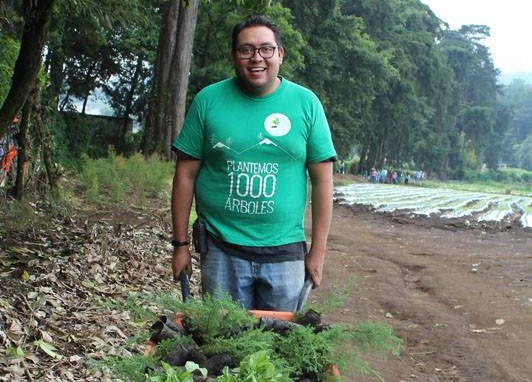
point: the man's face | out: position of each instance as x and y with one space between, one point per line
257 75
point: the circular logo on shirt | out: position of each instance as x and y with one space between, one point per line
277 124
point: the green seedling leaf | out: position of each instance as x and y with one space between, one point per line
172 374
87 283
48 349
15 352
25 275
191 367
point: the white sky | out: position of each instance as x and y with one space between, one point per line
510 27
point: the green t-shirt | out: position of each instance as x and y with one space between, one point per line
251 189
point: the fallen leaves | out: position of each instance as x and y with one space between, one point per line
55 280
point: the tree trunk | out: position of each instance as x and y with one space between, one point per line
363 162
37 19
55 60
179 77
23 147
168 96
129 100
46 144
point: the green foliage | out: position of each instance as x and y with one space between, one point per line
250 341
171 374
15 216
101 175
342 182
374 335
8 54
132 368
135 304
226 328
215 318
517 144
504 177
523 153
337 298
361 338
255 367
20 215
395 86
314 351
167 345
92 135
492 181
114 178
341 345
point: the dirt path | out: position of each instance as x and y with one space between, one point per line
461 299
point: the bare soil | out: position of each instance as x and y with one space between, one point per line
460 298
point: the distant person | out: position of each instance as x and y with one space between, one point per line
389 177
341 167
382 175
374 177
244 152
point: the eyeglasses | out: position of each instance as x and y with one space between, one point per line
248 51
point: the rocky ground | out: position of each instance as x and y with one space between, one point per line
460 297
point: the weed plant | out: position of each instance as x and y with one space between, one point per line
15 216
114 178
136 304
21 215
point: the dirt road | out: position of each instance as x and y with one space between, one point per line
460 298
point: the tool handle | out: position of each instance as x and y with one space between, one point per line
185 285
303 295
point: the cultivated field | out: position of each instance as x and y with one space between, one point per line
469 207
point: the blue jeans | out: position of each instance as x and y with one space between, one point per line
264 286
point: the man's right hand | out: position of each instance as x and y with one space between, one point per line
181 260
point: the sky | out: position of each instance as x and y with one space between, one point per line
510 27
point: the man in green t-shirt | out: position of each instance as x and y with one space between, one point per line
244 152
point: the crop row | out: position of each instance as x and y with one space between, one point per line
445 203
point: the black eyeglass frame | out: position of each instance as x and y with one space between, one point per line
255 50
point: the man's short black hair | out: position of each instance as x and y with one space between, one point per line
255 21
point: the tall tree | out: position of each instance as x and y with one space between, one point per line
475 108
342 65
37 16
408 111
518 97
170 80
